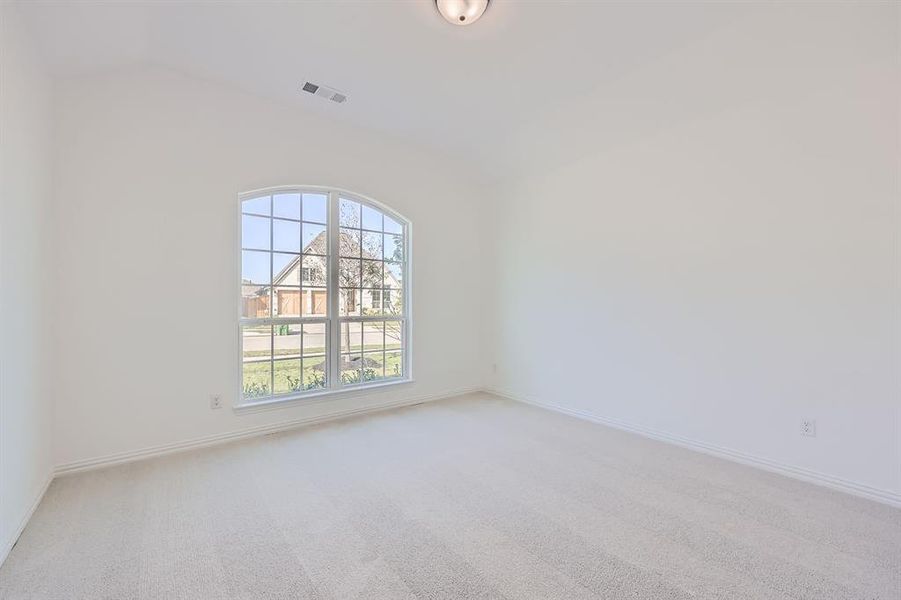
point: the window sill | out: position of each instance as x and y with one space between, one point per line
288 401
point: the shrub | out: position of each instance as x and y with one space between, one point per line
354 376
254 389
317 380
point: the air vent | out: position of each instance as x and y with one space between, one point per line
324 92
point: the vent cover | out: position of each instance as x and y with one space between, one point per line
324 92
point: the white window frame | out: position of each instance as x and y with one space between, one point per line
332 321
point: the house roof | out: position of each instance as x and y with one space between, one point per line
318 247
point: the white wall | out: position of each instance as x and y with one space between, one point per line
723 259
25 186
150 165
707 248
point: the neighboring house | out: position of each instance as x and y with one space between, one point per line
299 287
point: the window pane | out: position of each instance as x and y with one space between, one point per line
256 342
315 240
314 302
373 337
372 219
394 247
286 269
257 206
394 275
256 360
350 213
287 302
315 208
372 273
255 232
350 243
314 271
372 302
314 372
349 302
372 245
349 273
394 335
350 368
255 302
313 339
254 267
392 226
287 376
394 302
286 205
285 235
286 341
373 366
394 364
351 336
387 298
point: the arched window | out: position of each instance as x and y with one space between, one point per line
324 294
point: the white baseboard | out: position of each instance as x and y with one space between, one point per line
220 438
850 487
836 483
8 544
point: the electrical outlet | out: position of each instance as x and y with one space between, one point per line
809 427
215 402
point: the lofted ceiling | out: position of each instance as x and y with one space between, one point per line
475 93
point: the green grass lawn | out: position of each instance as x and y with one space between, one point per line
256 375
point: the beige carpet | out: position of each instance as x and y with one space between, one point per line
469 498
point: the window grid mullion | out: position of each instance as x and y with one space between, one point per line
362 338
245 321
333 358
271 298
405 288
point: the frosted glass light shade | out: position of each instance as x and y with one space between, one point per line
461 12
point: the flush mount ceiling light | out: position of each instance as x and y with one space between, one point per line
461 12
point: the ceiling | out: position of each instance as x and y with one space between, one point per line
469 92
